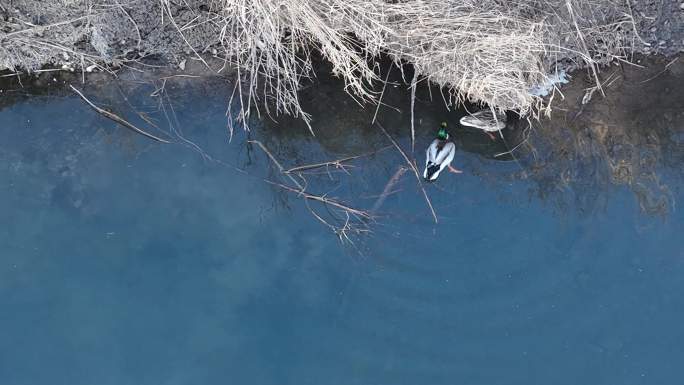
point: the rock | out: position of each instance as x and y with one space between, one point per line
681 6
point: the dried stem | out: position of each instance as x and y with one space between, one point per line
336 163
413 103
322 199
414 169
275 161
384 85
117 118
342 231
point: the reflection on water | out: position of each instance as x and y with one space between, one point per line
130 262
631 137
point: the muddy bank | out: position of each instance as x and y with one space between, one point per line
660 25
105 35
77 34
37 33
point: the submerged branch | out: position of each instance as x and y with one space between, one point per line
337 162
117 118
275 161
414 169
322 199
361 216
413 103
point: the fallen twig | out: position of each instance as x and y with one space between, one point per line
661 72
275 161
413 168
340 230
384 85
328 201
337 162
117 118
413 103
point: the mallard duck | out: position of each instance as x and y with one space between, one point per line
439 155
485 120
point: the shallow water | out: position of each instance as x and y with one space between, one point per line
130 262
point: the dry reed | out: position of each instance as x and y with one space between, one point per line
490 51
487 51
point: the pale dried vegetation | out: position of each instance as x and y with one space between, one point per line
490 51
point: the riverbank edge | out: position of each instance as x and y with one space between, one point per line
147 42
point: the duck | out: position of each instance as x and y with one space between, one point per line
439 155
485 120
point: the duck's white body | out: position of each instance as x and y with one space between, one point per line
438 156
485 120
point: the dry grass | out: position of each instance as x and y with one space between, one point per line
489 51
273 41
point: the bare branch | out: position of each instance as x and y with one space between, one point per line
413 102
413 168
328 201
275 161
117 118
337 162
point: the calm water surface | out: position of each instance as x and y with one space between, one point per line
123 261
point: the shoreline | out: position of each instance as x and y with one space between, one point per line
107 36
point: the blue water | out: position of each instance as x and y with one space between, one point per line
129 262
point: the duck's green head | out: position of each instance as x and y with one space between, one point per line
442 133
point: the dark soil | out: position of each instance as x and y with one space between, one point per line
660 24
